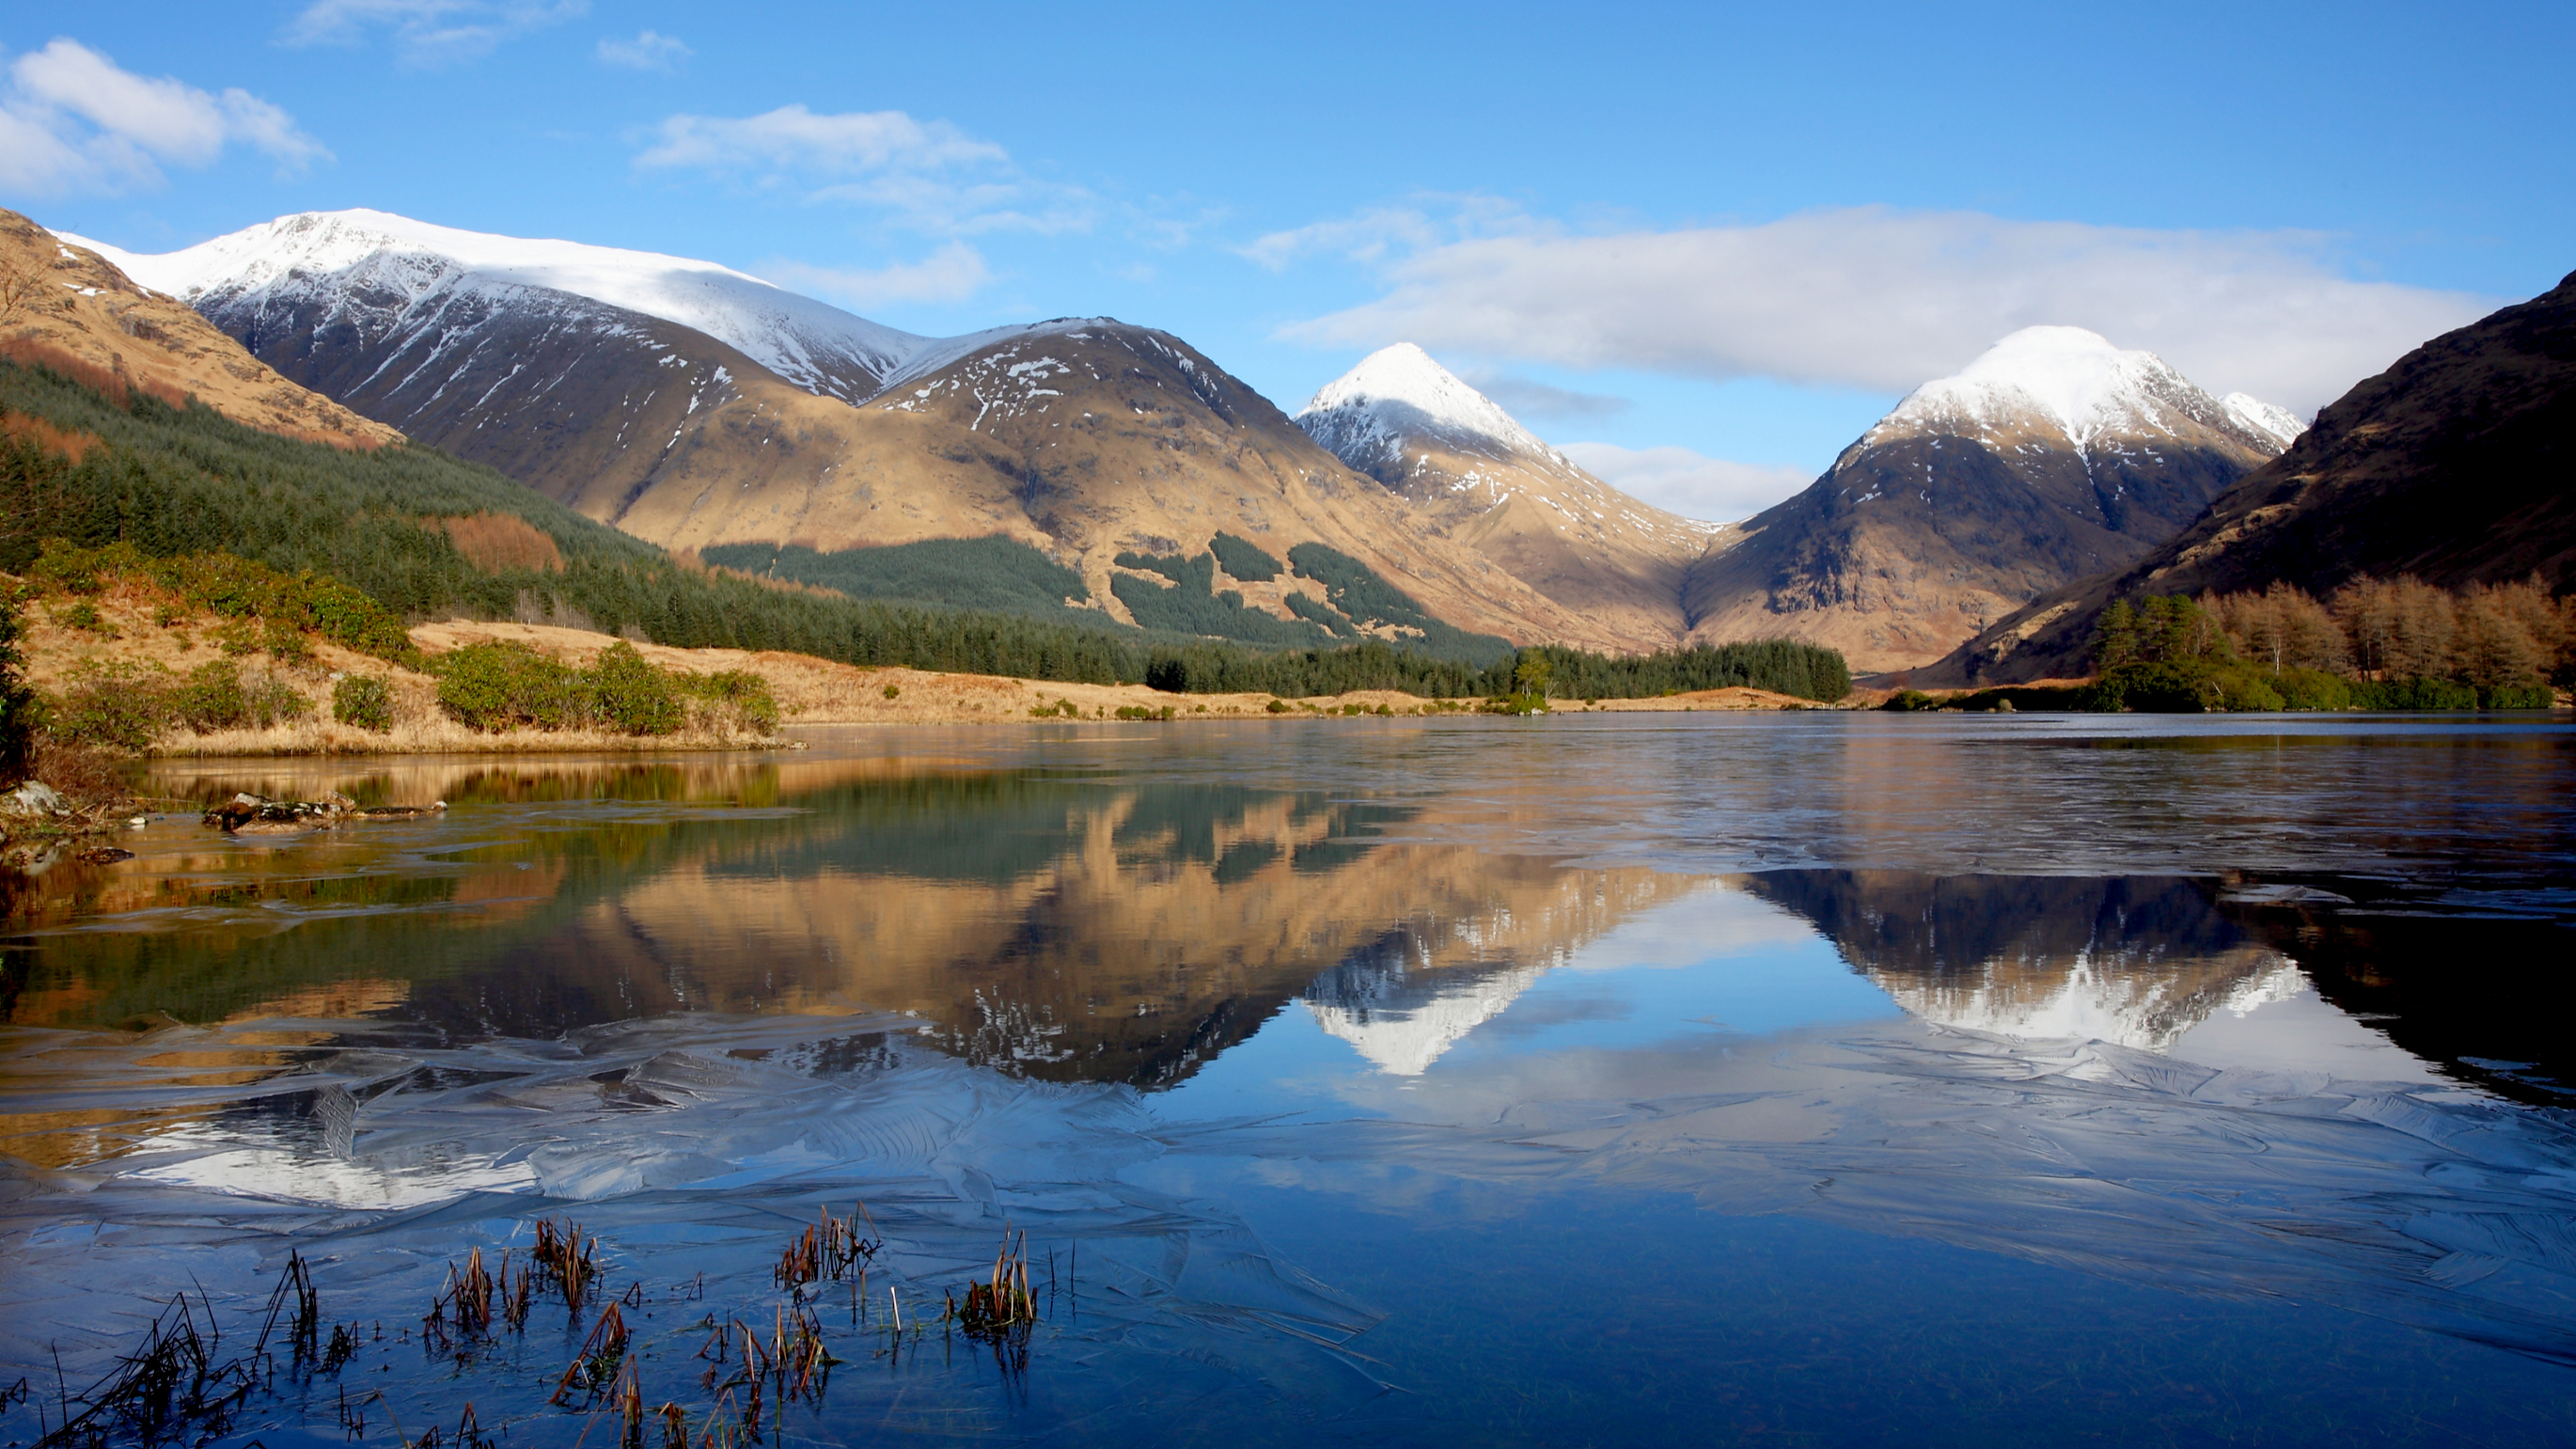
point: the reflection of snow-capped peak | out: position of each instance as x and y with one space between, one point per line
2092 999
1400 1016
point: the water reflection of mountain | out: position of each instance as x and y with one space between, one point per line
2137 960
1389 1000
1051 926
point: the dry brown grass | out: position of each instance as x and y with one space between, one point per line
116 382
73 446
496 541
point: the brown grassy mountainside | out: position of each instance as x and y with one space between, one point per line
2455 465
1474 475
1084 438
64 305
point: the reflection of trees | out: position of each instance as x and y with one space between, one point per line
2137 960
1047 926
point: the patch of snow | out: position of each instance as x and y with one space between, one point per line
812 344
2263 417
2072 382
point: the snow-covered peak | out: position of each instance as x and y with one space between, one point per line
1398 392
812 344
2071 382
2268 419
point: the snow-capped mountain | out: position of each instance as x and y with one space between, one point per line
2054 455
1399 396
1416 427
376 271
696 406
2076 385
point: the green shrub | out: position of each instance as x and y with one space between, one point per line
2152 688
628 694
1907 701
738 698
83 615
2242 691
894 691
2312 689
114 707
211 697
20 711
501 686
2414 694
364 701
2514 696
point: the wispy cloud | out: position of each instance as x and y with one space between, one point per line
1372 235
71 119
1691 484
650 50
951 274
926 174
429 33
1883 299
1527 397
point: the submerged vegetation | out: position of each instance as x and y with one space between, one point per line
286 536
177 1383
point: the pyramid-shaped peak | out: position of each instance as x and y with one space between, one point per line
1404 391
2073 373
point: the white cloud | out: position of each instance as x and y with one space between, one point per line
929 174
429 32
1370 235
1881 299
649 51
1693 485
953 273
72 120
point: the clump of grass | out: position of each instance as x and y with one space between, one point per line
833 1248
595 1364
564 1258
1002 1305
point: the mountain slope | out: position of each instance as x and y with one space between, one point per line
2053 456
370 270
2454 465
696 407
78 309
1484 481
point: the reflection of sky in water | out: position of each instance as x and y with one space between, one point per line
1336 1099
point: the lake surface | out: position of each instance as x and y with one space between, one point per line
1810 1079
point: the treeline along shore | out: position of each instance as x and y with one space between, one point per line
2386 644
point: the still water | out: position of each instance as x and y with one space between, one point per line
1633 1080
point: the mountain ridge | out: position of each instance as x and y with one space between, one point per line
1484 480
2053 456
2452 465
1083 437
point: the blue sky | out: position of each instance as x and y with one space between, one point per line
1715 241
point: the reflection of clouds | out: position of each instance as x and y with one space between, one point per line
2383 1190
1716 922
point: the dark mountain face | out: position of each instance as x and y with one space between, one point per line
570 396
2454 465
1919 539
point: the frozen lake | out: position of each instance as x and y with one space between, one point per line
1818 1079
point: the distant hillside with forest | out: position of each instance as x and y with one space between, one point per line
430 536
